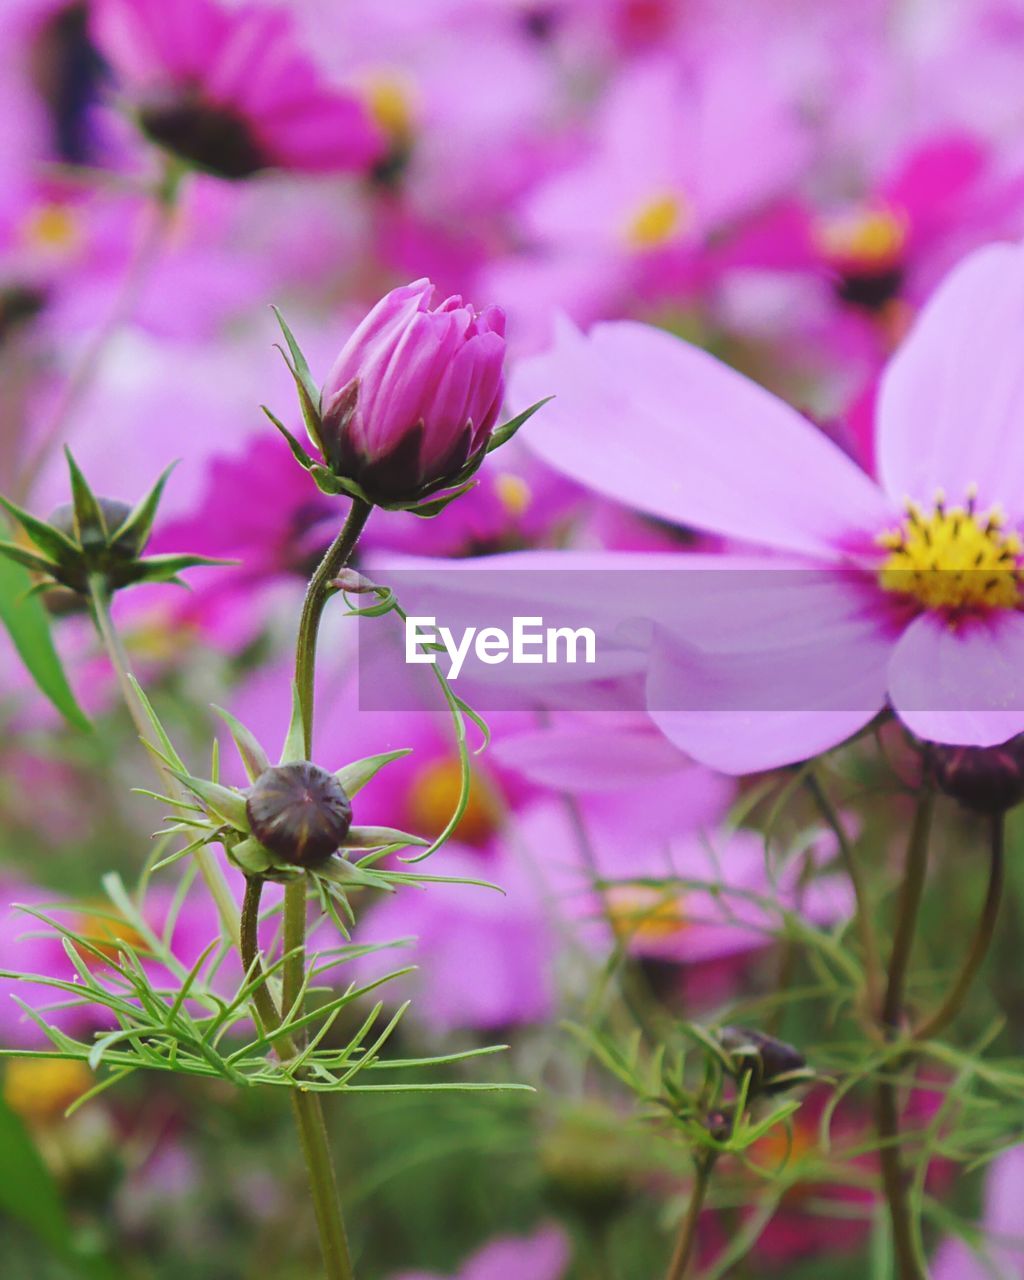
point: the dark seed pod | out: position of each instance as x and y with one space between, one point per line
774 1065
985 779
299 812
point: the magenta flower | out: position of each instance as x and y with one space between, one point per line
907 592
1002 1249
229 90
543 1256
414 394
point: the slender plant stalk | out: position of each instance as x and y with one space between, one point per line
308 1112
686 1241
317 595
887 1112
83 375
209 867
261 996
309 1119
954 1001
865 926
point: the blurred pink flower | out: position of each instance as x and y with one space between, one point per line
905 591
1001 1255
643 199
542 1256
229 90
414 393
485 959
28 946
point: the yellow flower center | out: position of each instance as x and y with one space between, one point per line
107 935
783 1145
953 559
390 102
41 1089
645 915
51 226
658 222
869 237
513 493
435 793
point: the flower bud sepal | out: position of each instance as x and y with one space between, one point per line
268 842
94 540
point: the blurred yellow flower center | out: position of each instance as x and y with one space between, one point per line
107 935
868 237
513 493
390 104
953 558
41 1089
658 222
646 915
781 1145
435 794
51 226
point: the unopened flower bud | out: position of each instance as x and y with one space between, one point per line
300 812
414 394
774 1066
114 514
985 779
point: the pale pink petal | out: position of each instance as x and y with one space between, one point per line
778 674
641 416
1003 1255
961 683
951 403
591 757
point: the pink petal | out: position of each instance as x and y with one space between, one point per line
952 400
592 757
961 684
646 418
787 670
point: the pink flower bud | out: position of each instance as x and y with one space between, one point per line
414 394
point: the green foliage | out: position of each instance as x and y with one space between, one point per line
172 1018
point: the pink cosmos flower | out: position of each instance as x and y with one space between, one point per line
414 393
637 205
906 592
1002 1254
229 90
28 946
543 1256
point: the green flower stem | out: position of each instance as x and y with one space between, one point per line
309 1118
887 1114
261 996
865 927
686 1241
209 868
81 378
954 1001
308 1112
317 593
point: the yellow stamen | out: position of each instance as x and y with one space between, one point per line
513 492
435 793
645 915
51 226
953 559
657 222
390 101
868 237
41 1089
